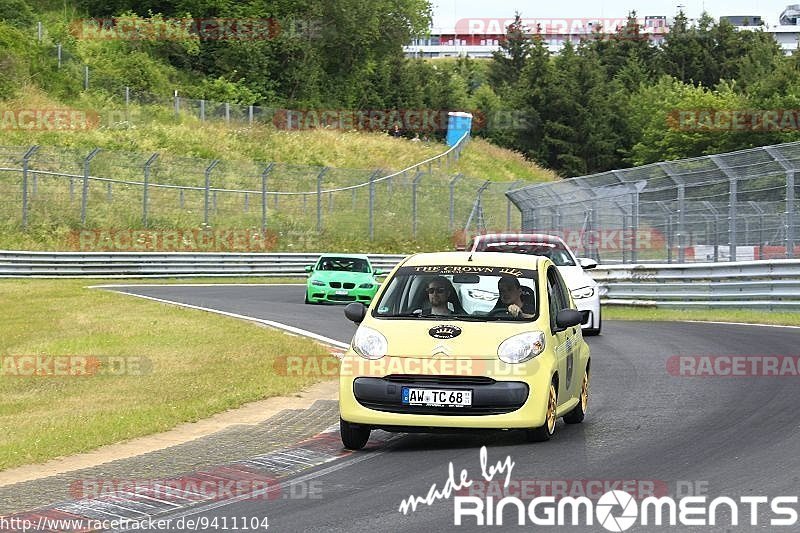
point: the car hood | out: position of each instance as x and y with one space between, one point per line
575 277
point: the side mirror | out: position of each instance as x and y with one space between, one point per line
586 316
377 272
355 312
566 318
587 263
309 268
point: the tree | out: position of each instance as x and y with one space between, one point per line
509 61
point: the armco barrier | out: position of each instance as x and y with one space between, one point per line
754 284
162 265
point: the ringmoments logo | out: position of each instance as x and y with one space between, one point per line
614 510
618 510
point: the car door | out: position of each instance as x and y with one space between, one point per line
566 342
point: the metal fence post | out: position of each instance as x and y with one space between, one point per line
145 191
202 110
732 236
635 228
227 113
452 186
58 52
790 214
372 204
25 159
246 202
681 232
207 190
414 184
109 193
85 194
319 198
250 115
508 205
264 196
177 105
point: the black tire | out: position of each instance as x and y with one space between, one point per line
548 429
307 301
354 436
577 414
591 332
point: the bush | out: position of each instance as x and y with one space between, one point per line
16 13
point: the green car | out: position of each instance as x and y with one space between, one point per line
341 278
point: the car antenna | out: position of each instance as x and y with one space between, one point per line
474 246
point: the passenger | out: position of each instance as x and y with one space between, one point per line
511 296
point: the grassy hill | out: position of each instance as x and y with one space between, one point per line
187 145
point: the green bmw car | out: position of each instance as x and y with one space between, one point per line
341 278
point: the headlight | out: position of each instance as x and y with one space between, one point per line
583 292
478 294
318 283
365 286
520 348
369 344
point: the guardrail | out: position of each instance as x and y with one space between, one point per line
162 265
752 284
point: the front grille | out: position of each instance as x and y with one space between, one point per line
349 285
391 407
335 284
439 380
341 298
489 397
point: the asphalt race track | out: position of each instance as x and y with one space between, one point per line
726 436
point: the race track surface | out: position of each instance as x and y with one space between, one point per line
731 436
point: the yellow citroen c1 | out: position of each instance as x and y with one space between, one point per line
465 340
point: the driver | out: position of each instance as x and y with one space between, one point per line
438 295
511 296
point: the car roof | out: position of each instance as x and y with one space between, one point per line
500 259
345 256
519 237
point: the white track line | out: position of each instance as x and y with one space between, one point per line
270 323
740 324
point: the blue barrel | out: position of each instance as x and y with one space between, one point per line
458 123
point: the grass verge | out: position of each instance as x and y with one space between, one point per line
706 315
196 364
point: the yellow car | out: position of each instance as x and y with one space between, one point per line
465 340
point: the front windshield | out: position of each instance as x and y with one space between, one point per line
343 264
554 251
465 292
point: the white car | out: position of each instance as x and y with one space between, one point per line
584 289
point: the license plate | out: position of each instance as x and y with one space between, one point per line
437 397
341 292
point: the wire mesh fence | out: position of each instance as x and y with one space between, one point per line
300 207
728 207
